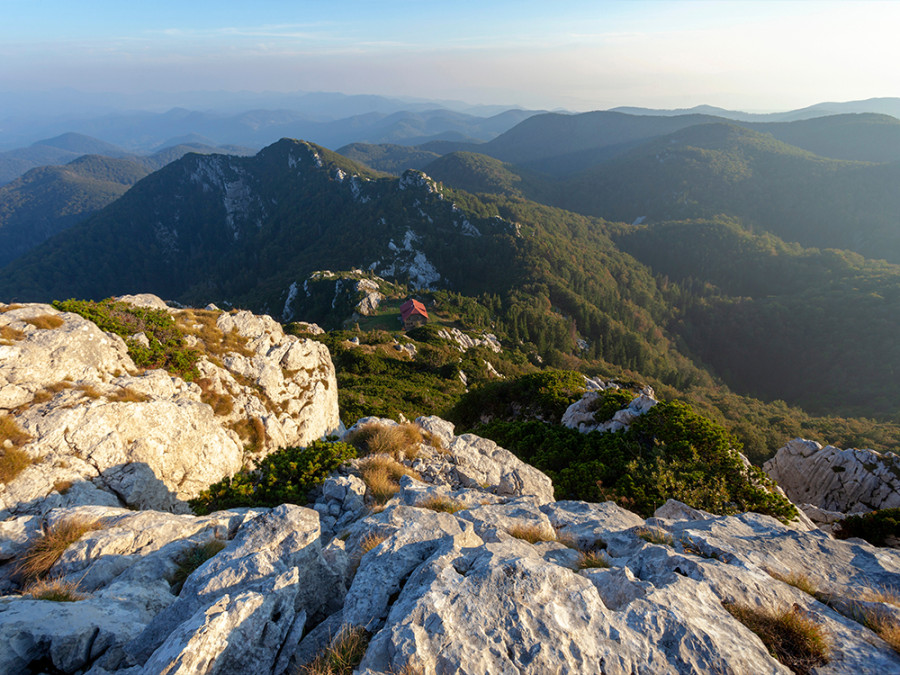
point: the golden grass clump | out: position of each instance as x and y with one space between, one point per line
252 432
10 334
791 637
9 308
655 536
88 390
381 475
201 323
222 404
441 504
55 590
126 395
370 541
45 321
798 580
47 549
889 631
13 460
530 533
341 657
400 441
593 560
887 595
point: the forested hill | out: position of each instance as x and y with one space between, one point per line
684 304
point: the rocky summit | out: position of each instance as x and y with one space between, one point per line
441 553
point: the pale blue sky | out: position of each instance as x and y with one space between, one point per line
762 55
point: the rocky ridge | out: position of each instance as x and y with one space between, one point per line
98 430
444 589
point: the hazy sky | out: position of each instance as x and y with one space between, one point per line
762 55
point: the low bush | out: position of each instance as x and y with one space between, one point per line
609 402
191 559
167 348
875 527
791 637
44 551
285 476
670 452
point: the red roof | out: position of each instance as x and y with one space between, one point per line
412 307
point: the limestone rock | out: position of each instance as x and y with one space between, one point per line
466 342
846 481
580 415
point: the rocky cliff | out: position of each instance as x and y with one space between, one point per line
91 427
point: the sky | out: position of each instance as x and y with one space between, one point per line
765 55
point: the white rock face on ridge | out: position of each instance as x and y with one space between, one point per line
103 433
371 297
465 342
846 481
580 415
443 592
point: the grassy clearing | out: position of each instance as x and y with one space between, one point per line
791 637
381 475
45 321
441 504
400 441
530 533
341 657
46 549
55 590
191 559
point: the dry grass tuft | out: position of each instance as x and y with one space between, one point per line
791 637
530 533
45 321
888 631
798 580
370 541
11 334
888 595
55 590
46 550
655 536
62 486
126 395
222 404
88 390
400 441
191 559
9 308
593 560
13 460
252 432
381 475
201 323
341 657
441 504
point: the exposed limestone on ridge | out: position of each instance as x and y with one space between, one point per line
104 432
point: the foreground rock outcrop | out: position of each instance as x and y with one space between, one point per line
836 481
99 430
470 568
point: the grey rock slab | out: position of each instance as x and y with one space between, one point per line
481 463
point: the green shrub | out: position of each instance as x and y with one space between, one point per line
285 476
874 527
609 402
166 349
670 452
